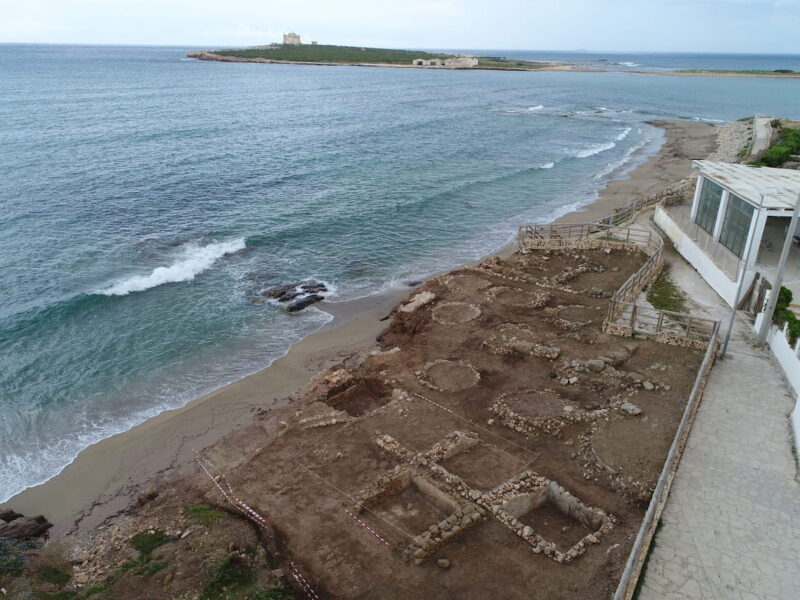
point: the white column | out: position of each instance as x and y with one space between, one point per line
757 224
697 189
723 206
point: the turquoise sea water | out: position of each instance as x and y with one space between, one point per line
146 198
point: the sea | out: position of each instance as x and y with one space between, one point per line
146 200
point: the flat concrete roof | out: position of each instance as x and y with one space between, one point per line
780 187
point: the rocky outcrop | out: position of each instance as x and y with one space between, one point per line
16 526
297 295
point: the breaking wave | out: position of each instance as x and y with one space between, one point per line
193 260
592 150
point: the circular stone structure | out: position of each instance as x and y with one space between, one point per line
466 283
514 297
455 313
449 376
535 403
500 339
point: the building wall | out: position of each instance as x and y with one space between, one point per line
790 363
709 271
291 39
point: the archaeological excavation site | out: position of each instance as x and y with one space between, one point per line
503 437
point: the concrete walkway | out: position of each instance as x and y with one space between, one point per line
731 526
762 131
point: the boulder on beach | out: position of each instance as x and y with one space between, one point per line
16 526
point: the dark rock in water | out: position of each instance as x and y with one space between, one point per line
291 291
303 303
9 515
414 283
24 527
280 290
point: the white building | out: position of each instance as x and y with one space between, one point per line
736 207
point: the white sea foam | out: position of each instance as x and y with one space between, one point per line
596 149
537 107
630 64
549 165
623 134
193 260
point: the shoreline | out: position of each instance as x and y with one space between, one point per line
105 478
554 66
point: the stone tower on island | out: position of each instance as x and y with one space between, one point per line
291 39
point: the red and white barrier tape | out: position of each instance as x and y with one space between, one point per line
302 582
368 528
436 404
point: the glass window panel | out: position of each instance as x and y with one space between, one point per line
708 205
736 225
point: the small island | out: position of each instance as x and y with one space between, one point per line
294 52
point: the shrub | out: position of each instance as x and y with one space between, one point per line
790 138
228 576
54 575
774 157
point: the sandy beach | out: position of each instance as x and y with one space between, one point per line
107 477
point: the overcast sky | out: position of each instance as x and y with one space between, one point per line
751 26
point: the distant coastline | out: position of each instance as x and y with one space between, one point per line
352 56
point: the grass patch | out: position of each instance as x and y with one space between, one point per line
152 568
232 576
12 558
204 514
54 575
664 294
62 595
147 541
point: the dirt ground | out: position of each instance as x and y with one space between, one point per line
512 354
494 443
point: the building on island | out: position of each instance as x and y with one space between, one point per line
291 39
736 207
459 62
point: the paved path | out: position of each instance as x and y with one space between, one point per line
731 526
762 131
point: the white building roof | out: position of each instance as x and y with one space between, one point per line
779 187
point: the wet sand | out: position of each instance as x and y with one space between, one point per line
106 477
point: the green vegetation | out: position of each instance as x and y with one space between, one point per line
496 62
12 555
332 54
780 151
354 54
204 514
663 294
54 575
784 314
147 541
232 575
62 595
